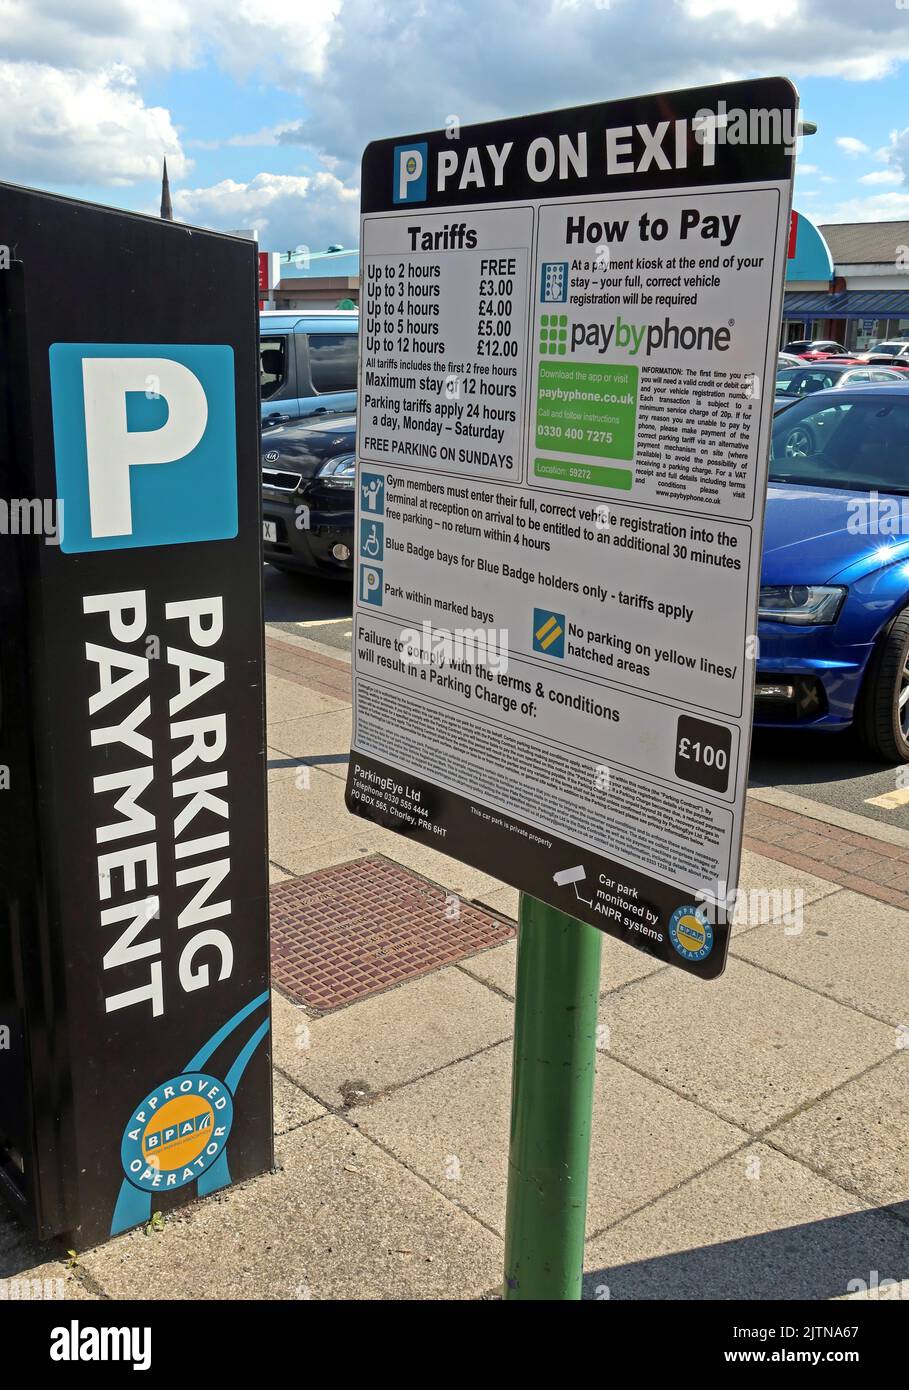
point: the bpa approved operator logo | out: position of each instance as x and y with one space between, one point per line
178 1132
691 933
410 163
145 443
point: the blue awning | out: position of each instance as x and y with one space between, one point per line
850 304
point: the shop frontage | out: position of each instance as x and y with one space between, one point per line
848 282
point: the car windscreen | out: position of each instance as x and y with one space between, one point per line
859 445
799 381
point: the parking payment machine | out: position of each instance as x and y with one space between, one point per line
134 1016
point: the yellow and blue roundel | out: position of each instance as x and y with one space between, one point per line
691 933
177 1132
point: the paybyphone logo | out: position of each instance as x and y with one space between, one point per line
410 164
145 443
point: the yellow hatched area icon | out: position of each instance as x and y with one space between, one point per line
547 630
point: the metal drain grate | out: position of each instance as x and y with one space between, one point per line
342 933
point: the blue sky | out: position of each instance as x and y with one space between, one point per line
262 112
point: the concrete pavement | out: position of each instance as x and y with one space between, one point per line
749 1136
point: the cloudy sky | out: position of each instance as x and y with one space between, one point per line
263 109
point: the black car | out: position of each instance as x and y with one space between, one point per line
800 346
308 480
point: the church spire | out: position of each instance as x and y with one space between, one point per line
167 211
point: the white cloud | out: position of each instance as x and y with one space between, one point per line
480 60
880 207
851 146
286 133
287 209
769 13
73 128
882 176
282 42
801 168
245 35
355 70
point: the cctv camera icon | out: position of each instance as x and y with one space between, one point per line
566 876
573 876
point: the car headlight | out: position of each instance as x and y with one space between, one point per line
339 472
802 604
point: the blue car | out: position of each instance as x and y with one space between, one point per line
834 609
307 363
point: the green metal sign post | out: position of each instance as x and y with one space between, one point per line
556 997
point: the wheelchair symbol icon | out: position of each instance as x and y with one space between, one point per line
372 539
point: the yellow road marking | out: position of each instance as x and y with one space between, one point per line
889 801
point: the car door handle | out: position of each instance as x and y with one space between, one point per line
276 419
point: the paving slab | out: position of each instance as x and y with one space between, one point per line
851 948
286 699
459 878
339 1220
756 1226
502 899
857 1135
303 818
452 1127
293 1106
620 965
339 850
49 1281
290 1033
315 736
495 967
775 890
281 765
34 1271
750 1046
390 1038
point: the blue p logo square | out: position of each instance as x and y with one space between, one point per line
410 166
145 442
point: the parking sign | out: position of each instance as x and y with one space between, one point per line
132 814
563 344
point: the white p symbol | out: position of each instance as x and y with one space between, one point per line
112 449
410 167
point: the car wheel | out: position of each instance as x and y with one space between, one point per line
884 721
799 442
